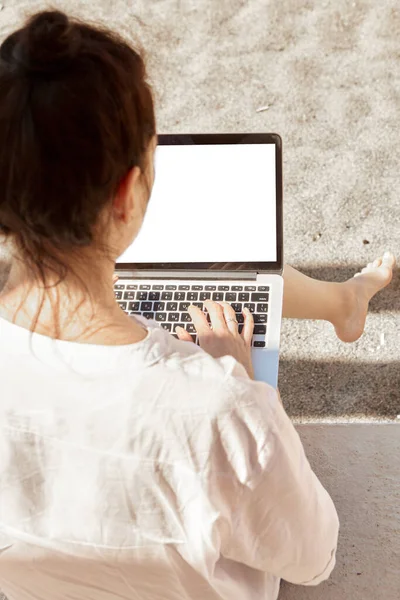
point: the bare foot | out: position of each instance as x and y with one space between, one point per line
359 291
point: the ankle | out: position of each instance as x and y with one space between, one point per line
345 302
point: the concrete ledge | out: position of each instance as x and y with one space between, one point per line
359 465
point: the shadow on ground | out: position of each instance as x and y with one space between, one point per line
311 388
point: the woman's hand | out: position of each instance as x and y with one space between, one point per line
224 337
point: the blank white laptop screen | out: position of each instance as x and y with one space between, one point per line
210 203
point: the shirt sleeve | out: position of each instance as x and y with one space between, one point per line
283 520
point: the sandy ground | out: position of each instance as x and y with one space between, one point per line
329 73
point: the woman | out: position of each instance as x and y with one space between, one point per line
132 464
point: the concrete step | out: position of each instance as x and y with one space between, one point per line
359 466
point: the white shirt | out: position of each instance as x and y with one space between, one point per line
150 471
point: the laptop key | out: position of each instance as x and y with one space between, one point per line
243 297
218 297
146 306
182 306
118 295
236 307
197 287
148 315
154 295
122 305
186 317
166 326
223 288
166 296
129 295
250 306
262 297
159 306
211 287
134 306
183 287
172 306
239 318
144 286
260 318
262 308
141 295
205 296
192 296
263 288
131 287
119 286
158 287
179 296
173 317
237 288
258 344
170 287
250 288
259 329
161 316
230 297
190 327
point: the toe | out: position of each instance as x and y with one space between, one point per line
377 262
388 260
386 274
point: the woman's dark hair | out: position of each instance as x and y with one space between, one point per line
76 114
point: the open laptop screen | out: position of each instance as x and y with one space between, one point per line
211 204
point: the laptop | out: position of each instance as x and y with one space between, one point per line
212 230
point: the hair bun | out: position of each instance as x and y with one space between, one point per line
47 44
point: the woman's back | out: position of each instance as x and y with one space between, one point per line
107 471
126 475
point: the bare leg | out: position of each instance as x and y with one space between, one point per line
345 305
306 298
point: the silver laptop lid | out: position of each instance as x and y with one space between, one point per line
216 205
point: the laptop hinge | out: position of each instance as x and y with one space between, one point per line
250 275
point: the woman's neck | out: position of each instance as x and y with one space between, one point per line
63 317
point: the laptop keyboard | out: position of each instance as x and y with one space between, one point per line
167 303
